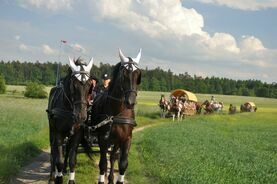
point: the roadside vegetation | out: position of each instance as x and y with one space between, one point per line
23 132
35 90
2 84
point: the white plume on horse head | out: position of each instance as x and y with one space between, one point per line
137 59
88 67
72 65
122 57
78 68
125 61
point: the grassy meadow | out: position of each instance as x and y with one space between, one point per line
23 131
220 148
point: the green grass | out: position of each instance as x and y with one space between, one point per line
239 148
24 132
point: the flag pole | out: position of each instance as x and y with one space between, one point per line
59 63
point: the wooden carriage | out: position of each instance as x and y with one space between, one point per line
190 100
248 107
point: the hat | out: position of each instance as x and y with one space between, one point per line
105 76
93 77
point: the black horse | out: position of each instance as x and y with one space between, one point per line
117 107
67 110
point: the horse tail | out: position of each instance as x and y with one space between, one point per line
87 148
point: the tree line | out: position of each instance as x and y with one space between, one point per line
18 73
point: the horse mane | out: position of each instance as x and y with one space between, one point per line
116 70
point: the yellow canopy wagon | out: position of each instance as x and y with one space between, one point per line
189 98
248 107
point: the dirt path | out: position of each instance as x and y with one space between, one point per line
37 172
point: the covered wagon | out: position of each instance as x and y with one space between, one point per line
248 107
189 100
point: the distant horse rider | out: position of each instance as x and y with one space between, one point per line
232 109
212 100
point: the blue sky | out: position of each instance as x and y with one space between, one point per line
234 39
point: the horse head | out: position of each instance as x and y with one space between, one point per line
79 87
129 78
206 103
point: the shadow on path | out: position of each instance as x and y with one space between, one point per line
37 172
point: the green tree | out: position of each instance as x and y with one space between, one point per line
262 92
2 84
35 90
245 92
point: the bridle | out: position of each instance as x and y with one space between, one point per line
129 67
73 76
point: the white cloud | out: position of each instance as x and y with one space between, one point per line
77 47
250 43
172 36
252 5
155 18
17 37
53 5
223 42
23 47
163 20
46 49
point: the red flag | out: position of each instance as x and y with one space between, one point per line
63 41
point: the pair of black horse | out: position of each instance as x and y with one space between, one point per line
67 112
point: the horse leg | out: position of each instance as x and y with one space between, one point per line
66 154
52 157
123 160
173 116
73 148
52 162
112 160
59 159
103 158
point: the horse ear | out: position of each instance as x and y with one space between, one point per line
138 57
123 59
89 66
72 64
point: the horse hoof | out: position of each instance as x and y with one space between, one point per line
101 183
71 182
119 182
59 180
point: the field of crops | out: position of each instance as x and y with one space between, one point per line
215 149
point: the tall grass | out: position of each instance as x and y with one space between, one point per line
23 132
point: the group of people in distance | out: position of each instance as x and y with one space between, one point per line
95 88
